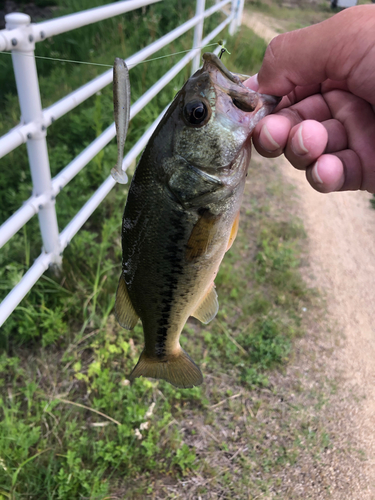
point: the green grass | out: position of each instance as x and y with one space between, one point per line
52 448
71 426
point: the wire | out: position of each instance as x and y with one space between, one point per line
72 61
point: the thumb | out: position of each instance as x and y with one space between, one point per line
328 50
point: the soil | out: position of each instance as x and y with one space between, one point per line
341 229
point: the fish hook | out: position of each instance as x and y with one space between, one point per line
223 48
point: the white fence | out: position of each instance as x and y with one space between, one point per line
20 37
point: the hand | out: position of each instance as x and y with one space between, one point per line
325 124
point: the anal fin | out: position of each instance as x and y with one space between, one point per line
124 310
208 307
178 369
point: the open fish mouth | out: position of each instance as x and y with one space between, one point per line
243 98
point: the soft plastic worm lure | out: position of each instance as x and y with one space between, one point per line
121 104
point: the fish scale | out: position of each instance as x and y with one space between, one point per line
181 215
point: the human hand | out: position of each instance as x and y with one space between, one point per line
325 124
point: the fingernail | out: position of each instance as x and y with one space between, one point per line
252 83
267 141
297 144
315 173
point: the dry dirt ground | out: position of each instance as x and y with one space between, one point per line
341 234
341 231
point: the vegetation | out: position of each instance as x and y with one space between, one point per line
71 426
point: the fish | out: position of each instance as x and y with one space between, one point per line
182 214
121 104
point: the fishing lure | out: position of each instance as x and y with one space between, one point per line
121 104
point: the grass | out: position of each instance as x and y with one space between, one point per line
71 426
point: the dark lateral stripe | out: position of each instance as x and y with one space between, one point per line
173 269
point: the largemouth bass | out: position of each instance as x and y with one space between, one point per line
182 213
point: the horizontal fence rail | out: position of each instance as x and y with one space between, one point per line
18 135
20 37
46 29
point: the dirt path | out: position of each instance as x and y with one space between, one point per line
264 26
341 233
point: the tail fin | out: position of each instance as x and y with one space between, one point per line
179 370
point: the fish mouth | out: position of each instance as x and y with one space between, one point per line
243 98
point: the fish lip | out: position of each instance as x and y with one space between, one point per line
246 149
272 100
209 57
212 177
268 104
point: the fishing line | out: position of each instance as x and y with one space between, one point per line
60 60
72 61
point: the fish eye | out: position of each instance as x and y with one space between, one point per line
195 112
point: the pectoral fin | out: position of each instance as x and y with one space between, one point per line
124 310
208 307
201 236
234 231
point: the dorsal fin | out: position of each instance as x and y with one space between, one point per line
208 307
124 310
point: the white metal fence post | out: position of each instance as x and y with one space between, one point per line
31 110
240 12
198 33
234 10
